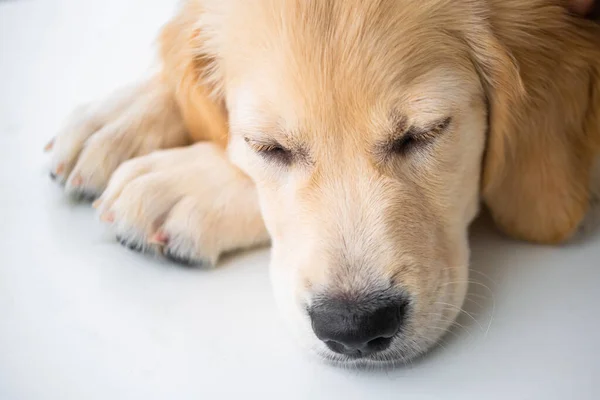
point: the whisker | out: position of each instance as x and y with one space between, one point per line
486 276
473 301
468 282
450 331
480 273
463 311
479 295
451 324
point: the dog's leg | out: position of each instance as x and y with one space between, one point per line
100 136
191 204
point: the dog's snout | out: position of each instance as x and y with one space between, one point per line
357 328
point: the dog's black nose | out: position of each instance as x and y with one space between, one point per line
357 328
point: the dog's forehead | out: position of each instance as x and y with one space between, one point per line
264 105
329 42
323 66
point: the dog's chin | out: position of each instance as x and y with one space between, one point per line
405 350
398 355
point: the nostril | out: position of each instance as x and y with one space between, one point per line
379 342
359 349
337 347
357 328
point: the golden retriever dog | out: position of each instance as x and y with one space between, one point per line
359 137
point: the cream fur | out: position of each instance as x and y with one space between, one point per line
333 82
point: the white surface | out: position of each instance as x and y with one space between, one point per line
83 318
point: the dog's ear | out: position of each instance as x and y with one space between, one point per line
188 68
543 90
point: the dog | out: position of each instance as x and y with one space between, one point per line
359 138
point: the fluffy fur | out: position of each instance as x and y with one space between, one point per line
296 104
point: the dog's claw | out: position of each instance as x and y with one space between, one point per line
60 168
159 238
107 216
49 145
77 180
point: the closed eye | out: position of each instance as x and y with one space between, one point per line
271 151
415 138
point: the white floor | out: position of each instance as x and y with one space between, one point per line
83 318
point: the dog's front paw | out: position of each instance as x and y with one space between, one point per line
98 137
189 204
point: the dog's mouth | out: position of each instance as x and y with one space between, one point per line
396 356
396 350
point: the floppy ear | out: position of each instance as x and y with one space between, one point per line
541 69
188 69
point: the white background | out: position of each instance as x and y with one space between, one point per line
83 318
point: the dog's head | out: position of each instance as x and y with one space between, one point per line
365 126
